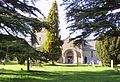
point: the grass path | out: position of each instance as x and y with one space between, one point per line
60 73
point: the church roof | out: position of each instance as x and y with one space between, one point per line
89 45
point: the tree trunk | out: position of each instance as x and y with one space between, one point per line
28 64
77 60
53 62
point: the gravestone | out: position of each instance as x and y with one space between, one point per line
112 64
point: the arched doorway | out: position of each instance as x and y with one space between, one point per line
85 59
69 56
70 59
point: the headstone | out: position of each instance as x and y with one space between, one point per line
93 63
112 64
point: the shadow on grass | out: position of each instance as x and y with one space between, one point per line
64 76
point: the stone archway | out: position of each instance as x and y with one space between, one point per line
69 56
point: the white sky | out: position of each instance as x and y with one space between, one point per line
45 5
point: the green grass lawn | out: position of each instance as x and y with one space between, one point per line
59 73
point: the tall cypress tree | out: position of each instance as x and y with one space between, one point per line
52 42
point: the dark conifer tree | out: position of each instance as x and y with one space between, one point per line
98 17
15 20
12 19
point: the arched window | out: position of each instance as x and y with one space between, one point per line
39 38
91 54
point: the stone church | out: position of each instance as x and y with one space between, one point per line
85 54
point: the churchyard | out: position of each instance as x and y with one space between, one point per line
12 72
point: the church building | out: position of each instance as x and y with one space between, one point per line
85 54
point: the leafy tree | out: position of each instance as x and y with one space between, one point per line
108 49
98 17
52 42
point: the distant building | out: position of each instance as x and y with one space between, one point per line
40 37
85 54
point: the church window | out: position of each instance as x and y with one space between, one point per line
39 38
91 54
